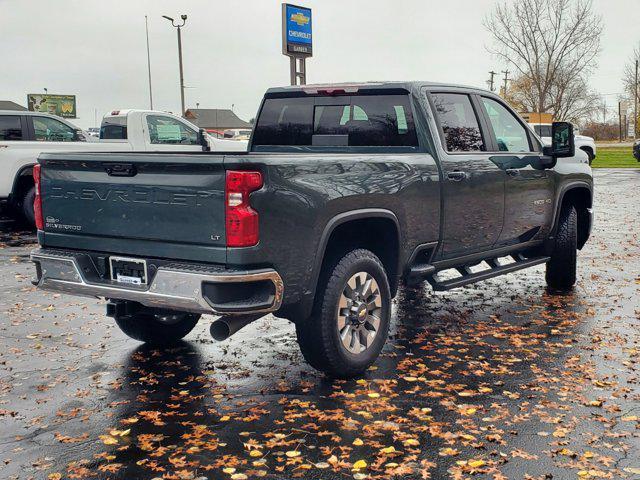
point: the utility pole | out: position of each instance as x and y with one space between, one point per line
146 26
620 121
506 79
490 81
179 27
604 112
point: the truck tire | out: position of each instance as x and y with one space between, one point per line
561 269
27 207
590 154
350 321
157 327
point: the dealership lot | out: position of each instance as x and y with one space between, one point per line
496 380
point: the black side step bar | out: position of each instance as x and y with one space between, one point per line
467 276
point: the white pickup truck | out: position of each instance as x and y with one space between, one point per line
25 135
584 143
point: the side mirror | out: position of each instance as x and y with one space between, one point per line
203 140
562 140
79 136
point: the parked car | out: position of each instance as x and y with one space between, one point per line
584 143
150 130
24 135
347 190
636 149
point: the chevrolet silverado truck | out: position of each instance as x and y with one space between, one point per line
346 192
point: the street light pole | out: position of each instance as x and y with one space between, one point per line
179 27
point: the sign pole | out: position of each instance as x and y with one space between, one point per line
297 42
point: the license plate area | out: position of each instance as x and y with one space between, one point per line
128 271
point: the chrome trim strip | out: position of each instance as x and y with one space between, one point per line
172 289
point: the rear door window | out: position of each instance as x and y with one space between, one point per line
356 121
459 122
10 128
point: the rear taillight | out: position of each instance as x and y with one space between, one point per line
37 201
241 219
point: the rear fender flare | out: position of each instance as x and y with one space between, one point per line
330 226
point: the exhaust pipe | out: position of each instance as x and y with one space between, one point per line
226 326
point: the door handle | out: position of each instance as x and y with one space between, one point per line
457 175
512 172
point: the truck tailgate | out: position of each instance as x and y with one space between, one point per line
162 205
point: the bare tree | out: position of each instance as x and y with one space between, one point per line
553 45
629 75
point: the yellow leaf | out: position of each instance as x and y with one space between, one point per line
411 442
229 470
120 433
466 393
634 470
583 473
54 476
108 440
292 453
359 465
322 465
357 442
388 450
476 463
239 476
630 418
391 465
373 395
410 379
255 453
225 418
448 451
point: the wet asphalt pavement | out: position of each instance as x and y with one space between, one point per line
497 380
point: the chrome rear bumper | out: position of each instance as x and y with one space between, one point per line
175 287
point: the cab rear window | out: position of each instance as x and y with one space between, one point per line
114 128
354 121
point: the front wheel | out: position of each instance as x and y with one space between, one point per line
156 326
349 325
561 269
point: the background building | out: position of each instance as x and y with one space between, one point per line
8 105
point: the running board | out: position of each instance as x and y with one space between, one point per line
467 276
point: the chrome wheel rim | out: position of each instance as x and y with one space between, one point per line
359 313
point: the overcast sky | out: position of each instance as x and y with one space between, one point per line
232 49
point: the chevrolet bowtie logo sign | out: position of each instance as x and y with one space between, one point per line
300 18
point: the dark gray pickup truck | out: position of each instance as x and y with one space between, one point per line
346 191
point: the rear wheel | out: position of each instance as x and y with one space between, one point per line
27 207
156 326
350 322
561 269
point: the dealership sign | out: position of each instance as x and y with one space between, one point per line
60 105
297 37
